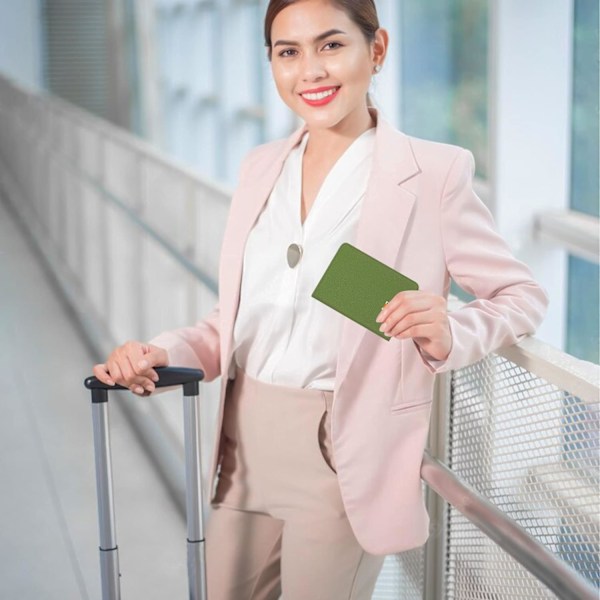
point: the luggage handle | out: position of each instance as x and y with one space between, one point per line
167 376
109 557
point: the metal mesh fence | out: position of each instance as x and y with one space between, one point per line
401 576
532 450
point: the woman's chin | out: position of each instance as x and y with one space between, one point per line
317 116
320 119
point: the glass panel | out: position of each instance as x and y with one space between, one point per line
444 73
457 291
585 184
582 316
130 41
582 310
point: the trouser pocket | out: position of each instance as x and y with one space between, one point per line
324 435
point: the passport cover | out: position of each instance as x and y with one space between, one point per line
358 285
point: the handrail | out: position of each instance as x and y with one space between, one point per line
137 219
105 128
572 230
578 377
562 579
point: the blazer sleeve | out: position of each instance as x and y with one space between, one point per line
509 303
197 346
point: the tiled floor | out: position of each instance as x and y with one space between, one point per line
48 518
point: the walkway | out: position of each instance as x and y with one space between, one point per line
48 518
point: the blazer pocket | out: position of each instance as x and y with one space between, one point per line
405 407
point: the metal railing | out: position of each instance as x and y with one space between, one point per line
506 533
520 426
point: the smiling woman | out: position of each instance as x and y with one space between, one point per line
313 64
322 426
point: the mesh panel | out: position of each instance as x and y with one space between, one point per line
401 576
532 450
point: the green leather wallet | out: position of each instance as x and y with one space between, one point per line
358 285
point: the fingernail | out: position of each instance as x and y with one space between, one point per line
139 390
380 316
383 328
143 364
154 378
149 388
110 382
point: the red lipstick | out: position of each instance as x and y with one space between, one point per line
322 101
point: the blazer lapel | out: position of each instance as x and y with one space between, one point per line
382 223
383 220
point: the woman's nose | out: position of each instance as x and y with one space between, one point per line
312 67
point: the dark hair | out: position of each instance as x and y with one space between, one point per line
362 12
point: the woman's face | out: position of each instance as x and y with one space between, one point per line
321 63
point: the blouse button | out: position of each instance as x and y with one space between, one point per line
294 253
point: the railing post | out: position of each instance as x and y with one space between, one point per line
435 548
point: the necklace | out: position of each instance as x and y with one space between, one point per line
294 254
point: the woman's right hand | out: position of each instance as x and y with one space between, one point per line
132 366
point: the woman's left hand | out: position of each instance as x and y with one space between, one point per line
421 316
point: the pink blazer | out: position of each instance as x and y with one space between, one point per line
421 217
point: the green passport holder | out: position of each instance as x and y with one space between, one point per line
358 285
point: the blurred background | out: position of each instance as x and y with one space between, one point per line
192 78
122 127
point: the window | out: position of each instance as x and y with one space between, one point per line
444 91
444 73
582 301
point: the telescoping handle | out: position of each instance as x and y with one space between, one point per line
109 557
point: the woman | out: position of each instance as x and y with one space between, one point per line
323 424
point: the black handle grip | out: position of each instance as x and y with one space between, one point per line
167 376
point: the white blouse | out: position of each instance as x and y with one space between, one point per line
281 334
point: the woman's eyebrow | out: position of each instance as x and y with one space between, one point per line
320 37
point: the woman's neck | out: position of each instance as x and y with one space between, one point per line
332 142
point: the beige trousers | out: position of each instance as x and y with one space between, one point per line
278 525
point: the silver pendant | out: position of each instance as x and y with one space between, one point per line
294 253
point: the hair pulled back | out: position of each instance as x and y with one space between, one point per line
362 12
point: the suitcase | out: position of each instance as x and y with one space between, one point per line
109 557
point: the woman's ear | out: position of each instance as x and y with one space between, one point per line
379 46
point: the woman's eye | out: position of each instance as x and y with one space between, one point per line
291 52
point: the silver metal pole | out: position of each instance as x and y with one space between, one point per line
434 580
557 575
193 475
109 554
109 558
